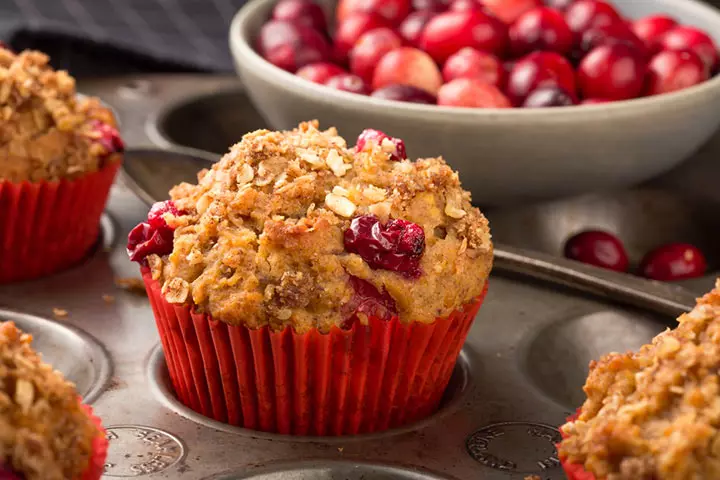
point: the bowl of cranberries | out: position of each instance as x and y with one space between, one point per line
527 98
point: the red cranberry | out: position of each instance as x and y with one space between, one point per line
464 5
540 69
598 248
376 137
347 82
548 97
675 261
585 14
7 473
290 46
412 27
319 72
448 32
470 63
691 38
351 29
430 5
394 11
510 10
107 136
540 29
404 93
672 70
594 101
610 34
561 5
471 93
369 49
154 236
303 12
651 29
408 66
615 72
398 245
367 300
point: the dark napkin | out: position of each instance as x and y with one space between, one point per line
108 37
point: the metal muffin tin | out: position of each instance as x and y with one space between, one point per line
517 379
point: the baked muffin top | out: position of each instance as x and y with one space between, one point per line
655 414
46 131
295 228
44 432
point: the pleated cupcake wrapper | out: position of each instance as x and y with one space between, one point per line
46 227
366 379
574 471
100 446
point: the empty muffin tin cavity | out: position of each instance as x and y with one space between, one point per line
73 352
328 470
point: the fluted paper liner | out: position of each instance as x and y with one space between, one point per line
366 379
46 227
574 471
100 445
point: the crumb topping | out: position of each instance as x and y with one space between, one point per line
46 131
44 433
655 413
260 239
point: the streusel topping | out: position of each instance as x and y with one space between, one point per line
46 131
276 234
655 414
44 433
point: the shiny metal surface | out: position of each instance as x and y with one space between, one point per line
324 470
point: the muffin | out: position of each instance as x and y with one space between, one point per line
309 288
59 154
655 413
45 432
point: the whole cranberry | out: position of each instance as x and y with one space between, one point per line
510 10
615 72
691 38
107 136
404 93
471 63
541 28
7 473
369 49
368 300
672 70
561 5
430 5
540 69
370 136
585 14
409 66
397 245
303 12
675 261
594 101
448 32
412 27
610 34
598 248
651 29
352 28
347 82
291 46
394 11
548 97
154 236
319 72
464 5
471 93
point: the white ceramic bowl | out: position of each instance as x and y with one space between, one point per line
506 155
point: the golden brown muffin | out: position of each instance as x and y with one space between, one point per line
266 236
46 131
655 414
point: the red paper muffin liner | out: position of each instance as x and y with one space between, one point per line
574 471
46 227
99 449
366 379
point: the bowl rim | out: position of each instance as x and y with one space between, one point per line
243 52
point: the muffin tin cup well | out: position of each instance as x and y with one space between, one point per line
367 379
46 227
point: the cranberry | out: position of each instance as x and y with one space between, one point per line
404 93
154 236
463 5
369 49
610 34
394 11
598 248
561 5
7 473
615 72
672 70
319 72
471 93
594 101
651 29
347 82
540 29
450 31
367 300
107 136
470 63
351 29
376 137
303 12
691 38
290 46
585 14
408 66
540 69
548 97
412 27
510 10
430 5
674 261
